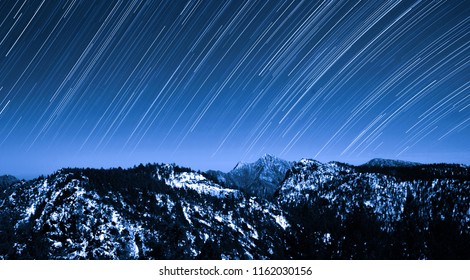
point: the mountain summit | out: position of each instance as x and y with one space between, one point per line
260 178
7 180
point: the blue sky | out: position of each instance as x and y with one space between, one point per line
206 84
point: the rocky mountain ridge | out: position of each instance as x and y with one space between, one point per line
261 178
316 211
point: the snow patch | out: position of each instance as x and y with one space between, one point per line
186 214
30 210
200 184
280 220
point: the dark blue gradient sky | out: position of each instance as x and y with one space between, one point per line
206 84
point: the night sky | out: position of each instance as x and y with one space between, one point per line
206 84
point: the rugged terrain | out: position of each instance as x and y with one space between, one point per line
269 209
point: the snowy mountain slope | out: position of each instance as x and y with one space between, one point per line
149 212
317 211
366 214
194 181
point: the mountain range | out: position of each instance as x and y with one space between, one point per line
268 209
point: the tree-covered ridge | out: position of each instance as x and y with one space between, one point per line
133 214
163 211
343 211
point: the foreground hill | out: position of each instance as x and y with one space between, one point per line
147 212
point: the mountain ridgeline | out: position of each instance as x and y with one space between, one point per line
261 178
7 180
269 209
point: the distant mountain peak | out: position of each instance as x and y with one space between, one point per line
269 157
7 180
259 178
239 165
264 160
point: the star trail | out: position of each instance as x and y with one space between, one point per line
206 84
